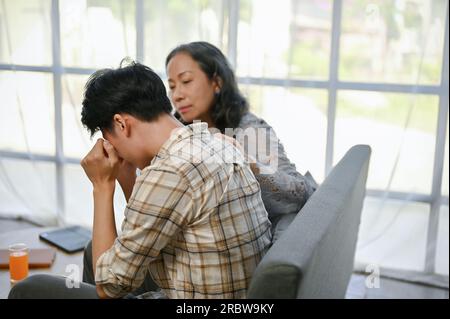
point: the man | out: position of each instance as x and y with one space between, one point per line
194 222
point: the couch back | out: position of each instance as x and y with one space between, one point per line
313 258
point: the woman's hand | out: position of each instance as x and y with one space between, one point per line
252 161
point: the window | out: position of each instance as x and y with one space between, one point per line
392 41
284 39
76 138
382 236
326 74
105 36
299 108
169 23
27 98
400 128
25 26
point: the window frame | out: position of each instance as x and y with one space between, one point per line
333 85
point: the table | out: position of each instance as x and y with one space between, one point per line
64 263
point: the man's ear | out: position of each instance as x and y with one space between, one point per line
122 124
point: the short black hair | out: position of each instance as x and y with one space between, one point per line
133 89
229 105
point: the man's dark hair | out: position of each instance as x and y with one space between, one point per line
229 104
133 89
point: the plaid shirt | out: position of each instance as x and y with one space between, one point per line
195 221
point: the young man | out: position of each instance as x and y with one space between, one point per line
195 221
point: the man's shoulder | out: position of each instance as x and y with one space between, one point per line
175 167
166 167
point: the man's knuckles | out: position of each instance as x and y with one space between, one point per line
92 158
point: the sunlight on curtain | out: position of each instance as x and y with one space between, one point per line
385 42
29 26
392 41
379 119
295 109
27 98
97 34
76 139
294 45
28 189
169 23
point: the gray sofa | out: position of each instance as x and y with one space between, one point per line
313 257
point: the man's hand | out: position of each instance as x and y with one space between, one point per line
101 165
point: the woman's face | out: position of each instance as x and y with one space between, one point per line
191 91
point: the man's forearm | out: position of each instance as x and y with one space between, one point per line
104 230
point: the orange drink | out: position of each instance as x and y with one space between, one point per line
18 262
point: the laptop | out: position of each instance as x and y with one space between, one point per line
69 239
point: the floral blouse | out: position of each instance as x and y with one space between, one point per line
283 189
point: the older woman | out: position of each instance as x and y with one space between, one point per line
203 87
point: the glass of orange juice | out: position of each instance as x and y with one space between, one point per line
18 262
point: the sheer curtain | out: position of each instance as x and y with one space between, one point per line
325 74
369 73
34 163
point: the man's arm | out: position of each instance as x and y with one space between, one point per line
161 206
104 232
102 170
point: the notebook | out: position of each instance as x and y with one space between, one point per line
70 239
37 258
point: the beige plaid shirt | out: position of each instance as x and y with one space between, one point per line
195 221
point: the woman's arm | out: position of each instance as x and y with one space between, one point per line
283 189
